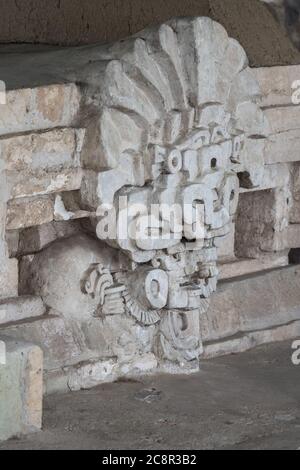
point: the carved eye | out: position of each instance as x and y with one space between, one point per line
174 163
155 288
213 163
232 195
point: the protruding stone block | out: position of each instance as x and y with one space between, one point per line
21 389
27 212
283 118
253 303
282 147
21 308
39 108
48 151
295 210
34 239
9 278
276 84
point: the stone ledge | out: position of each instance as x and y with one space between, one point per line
20 308
242 343
41 108
282 147
254 302
276 84
242 267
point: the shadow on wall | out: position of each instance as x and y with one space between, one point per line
292 20
288 14
74 22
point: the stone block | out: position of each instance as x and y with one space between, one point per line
274 176
226 249
21 389
9 278
293 236
21 308
45 107
276 84
52 335
253 303
282 147
242 343
34 239
242 267
27 212
38 184
51 150
283 119
12 240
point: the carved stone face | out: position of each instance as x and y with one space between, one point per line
193 180
174 129
178 127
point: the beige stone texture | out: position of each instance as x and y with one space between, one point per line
253 303
41 108
276 84
262 221
15 309
21 389
242 267
28 212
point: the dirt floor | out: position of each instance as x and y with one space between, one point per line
247 401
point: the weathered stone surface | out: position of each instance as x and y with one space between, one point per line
34 239
21 389
262 221
293 236
282 147
253 303
241 267
48 151
9 278
28 212
39 108
21 308
24 185
276 84
274 176
8 268
226 249
51 335
247 341
12 240
90 374
283 119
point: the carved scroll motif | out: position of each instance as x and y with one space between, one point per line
100 285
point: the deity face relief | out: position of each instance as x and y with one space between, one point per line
178 132
172 223
173 132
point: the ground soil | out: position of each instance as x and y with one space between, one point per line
246 401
